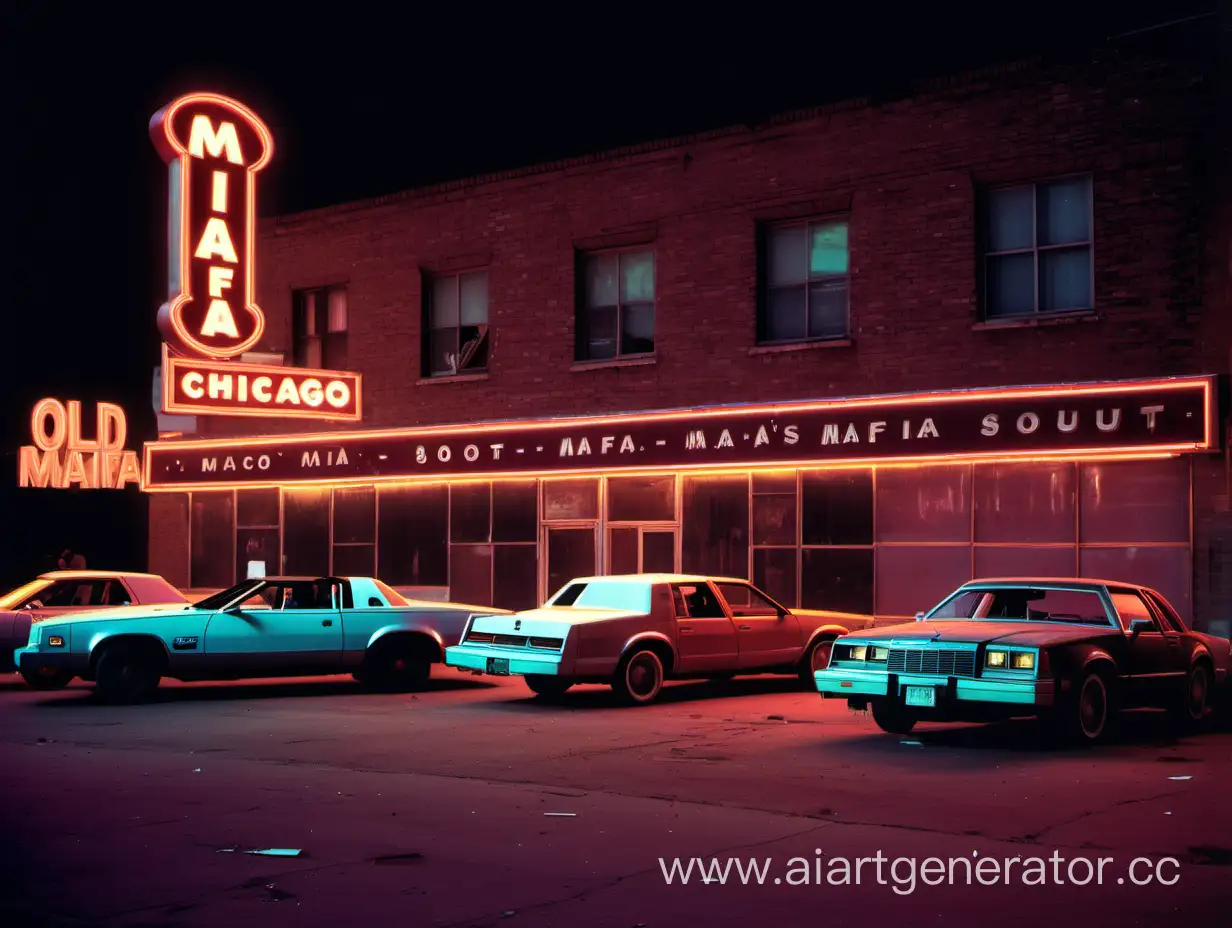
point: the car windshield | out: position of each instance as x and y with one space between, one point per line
630 595
1024 604
392 596
18 596
221 598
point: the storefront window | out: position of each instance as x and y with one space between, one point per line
355 531
515 510
257 533
914 578
715 526
571 553
1167 569
305 516
413 528
623 551
212 540
774 570
1127 502
564 500
837 507
838 579
515 576
924 504
641 499
470 574
1025 561
774 518
1025 503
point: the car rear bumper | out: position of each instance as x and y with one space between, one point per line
521 662
31 659
842 682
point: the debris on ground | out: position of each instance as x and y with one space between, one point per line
1180 778
561 814
386 859
277 852
917 744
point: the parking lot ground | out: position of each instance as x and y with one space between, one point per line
472 804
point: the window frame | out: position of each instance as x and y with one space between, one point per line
429 279
301 340
582 311
985 255
764 286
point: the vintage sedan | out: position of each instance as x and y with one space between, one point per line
62 591
633 631
1072 651
267 627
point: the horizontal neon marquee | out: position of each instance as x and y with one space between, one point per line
1133 418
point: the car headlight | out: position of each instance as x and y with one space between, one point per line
997 659
880 654
859 652
1023 660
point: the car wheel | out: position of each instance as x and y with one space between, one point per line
1190 708
1087 715
547 686
818 658
126 673
639 678
47 678
397 666
892 717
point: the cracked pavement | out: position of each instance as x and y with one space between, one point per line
436 808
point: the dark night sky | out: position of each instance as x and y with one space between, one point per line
359 108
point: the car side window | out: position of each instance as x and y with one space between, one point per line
701 601
1164 608
1130 606
115 594
71 593
682 610
741 596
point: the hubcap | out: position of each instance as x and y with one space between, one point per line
1093 707
821 655
642 675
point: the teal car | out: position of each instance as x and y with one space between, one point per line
1071 651
267 627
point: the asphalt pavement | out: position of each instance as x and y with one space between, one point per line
473 804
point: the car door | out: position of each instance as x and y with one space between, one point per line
705 635
1155 659
766 635
285 627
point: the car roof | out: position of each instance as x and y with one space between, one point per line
94 574
1070 582
658 578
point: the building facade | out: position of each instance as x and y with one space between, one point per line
766 352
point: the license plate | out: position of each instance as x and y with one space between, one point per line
498 666
921 696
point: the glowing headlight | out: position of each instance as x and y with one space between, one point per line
55 641
995 659
857 652
880 654
1023 660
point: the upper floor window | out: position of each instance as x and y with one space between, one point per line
456 323
807 276
616 318
319 328
1037 248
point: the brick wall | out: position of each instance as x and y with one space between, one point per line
169 535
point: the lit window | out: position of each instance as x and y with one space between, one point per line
806 269
616 318
456 322
319 328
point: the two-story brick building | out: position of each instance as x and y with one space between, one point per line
858 354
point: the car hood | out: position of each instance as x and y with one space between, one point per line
1026 634
548 621
151 611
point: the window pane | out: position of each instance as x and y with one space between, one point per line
601 280
658 552
515 573
354 560
1025 503
623 553
930 504
413 525
774 570
837 579
1065 279
354 515
473 355
1025 561
827 315
1064 212
337 311
256 508
474 298
443 351
334 351
601 333
256 544
312 353
785 314
637 277
515 510
470 574
774 481
1010 223
570 499
828 248
786 257
715 517
305 545
1168 570
774 519
444 302
837 507
310 313
571 553
637 329
641 499
1126 502
913 579
470 513
212 540
1011 285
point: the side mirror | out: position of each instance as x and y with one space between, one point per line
919 617
1137 626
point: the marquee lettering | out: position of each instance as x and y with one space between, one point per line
62 457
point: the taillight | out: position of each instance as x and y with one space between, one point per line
1042 667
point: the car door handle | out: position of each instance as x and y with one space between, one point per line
746 628
327 622
686 628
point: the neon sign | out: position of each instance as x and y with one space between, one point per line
214 147
61 457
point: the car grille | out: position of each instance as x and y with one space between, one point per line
946 661
515 641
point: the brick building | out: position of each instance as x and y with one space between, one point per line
833 273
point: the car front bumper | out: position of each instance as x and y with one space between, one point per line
849 683
520 662
30 660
